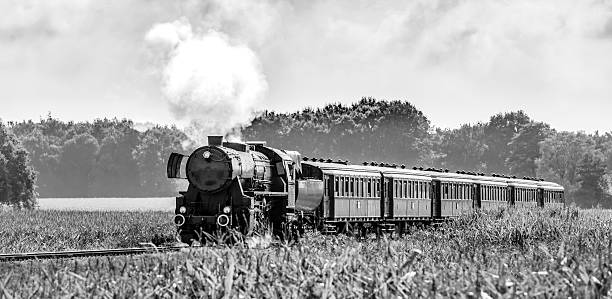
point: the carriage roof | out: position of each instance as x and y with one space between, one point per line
352 169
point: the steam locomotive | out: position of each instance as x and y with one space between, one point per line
248 186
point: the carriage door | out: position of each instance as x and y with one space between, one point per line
477 197
386 192
540 197
328 197
511 195
436 199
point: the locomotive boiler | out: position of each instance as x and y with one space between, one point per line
242 186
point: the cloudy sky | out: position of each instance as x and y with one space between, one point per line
216 62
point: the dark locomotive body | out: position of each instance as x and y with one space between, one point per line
246 186
242 186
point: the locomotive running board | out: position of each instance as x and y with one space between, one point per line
264 193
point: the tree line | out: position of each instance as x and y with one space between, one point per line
103 158
110 158
395 132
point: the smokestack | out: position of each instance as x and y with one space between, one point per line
215 140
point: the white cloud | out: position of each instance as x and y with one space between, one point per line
457 60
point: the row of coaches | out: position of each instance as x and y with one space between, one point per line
356 193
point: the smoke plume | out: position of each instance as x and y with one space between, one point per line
210 82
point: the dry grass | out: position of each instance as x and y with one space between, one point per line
549 253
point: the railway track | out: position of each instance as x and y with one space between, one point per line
8 257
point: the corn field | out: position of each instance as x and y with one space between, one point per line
503 254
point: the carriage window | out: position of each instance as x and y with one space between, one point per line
427 190
528 193
422 189
362 186
347 185
336 186
347 191
377 187
410 189
516 198
444 191
456 190
396 193
407 189
361 189
398 189
418 189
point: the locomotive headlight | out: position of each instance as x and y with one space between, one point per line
206 155
227 209
183 210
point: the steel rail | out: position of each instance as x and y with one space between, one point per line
6 257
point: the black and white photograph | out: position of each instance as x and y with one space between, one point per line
306 149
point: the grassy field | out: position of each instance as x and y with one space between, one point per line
538 253
27 231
